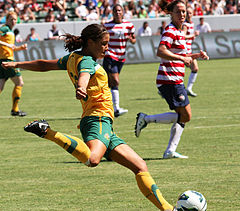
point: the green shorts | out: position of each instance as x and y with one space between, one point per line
94 127
8 73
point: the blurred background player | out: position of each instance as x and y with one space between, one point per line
91 88
7 47
190 34
173 53
120 32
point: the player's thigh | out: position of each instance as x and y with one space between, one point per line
17 80
97 149
126 156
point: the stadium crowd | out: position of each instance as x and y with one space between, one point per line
87 10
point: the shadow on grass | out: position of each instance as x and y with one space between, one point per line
103 161
145 99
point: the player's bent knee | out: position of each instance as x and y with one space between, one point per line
93 162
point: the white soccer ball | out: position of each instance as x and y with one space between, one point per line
191 200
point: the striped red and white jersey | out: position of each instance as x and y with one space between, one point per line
190 31
119 33
172 72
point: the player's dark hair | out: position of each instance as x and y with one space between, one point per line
94 32
169 6
115 6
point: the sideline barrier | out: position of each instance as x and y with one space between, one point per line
217 45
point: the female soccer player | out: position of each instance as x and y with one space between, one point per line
7 47
174 57
190 34
120 32
91 84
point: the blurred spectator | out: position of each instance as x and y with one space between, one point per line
145 30
18 37
230 7
92 16
107 14
206 7
20 5
50 16
142 12
35 7
62 16
197 11
132 7
54 33
33 36
151 12
47 5
26 14
203 27
161 28
59 5
127 14
216 9
81 10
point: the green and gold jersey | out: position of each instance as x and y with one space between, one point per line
6 35
99 101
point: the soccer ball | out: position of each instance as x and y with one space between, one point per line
191 200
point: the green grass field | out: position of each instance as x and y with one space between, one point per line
36 174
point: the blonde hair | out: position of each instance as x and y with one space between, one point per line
11 14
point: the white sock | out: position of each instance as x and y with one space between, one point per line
165 118
176 132
115 99
191 80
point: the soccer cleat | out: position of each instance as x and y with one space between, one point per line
168 155
120 112
38 127
18 113
140 123
191 93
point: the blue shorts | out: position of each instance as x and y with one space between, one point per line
175 95
111 65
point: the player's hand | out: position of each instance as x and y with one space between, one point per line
24 46
196 33
204 55
187 60
81 93
6 65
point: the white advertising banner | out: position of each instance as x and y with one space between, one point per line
217 45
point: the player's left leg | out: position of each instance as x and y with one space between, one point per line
192 78
16 95
125 156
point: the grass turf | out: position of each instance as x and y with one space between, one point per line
36 174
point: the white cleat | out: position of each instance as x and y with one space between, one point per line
140 123
168 155
120 112
191 93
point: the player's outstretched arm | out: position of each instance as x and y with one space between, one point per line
35 65
202 55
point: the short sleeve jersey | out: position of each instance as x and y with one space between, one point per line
190 31
172 72
119 33
6 35
99 100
